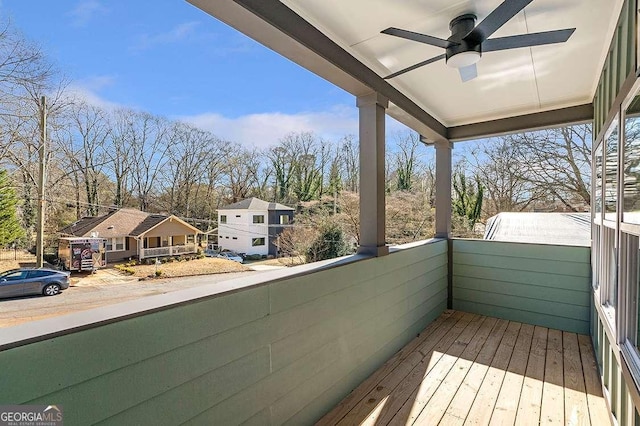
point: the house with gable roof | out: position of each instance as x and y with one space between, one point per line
131 233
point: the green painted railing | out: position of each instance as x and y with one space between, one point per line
285 349
538 284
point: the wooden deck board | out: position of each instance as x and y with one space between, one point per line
471 369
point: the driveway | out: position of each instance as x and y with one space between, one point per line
87 292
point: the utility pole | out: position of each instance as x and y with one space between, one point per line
42 154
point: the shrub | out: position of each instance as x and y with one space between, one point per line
329 243
158 273
125 269
253 257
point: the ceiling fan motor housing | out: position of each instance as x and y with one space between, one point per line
460 27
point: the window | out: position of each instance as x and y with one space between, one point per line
284 219
598 183
234 238
223 218
14 276
238 215
119 243
191 239
596 261
39 273
258 218
608 273
257 242
611 172
115 244
631 163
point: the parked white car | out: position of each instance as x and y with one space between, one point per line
229 255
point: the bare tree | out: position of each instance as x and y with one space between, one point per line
149 155
557 162
498 166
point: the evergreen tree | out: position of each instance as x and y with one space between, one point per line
10 229
468 199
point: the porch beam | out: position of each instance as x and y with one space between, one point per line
372 174
528 122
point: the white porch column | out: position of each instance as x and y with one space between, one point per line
443 188
372 174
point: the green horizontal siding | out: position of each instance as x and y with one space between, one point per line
284 352
620 62
533 283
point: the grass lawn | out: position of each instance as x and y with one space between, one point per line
191 267
282 261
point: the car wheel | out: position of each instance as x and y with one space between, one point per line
51 290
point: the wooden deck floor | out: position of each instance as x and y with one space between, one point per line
470 369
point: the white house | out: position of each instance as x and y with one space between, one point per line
251 226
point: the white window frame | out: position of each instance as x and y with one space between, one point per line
286 220
113 243
258 219
253 241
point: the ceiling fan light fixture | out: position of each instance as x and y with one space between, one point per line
463 59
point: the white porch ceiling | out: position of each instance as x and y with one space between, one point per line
510 83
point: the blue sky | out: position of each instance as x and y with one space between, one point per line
174 60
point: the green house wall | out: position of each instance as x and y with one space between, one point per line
282 352
532 283
620 62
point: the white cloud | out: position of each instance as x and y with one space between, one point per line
88 88
85 11
178 33
265 129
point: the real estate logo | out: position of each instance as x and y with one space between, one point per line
31 415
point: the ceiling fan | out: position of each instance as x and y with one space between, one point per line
464 48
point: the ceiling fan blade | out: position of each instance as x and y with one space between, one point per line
413 67
527 40
497 18
468 73
422 38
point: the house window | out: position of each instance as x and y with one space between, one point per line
284 219
611 172
223 218
598 183
631 167
191 239
234 238
238 215
608 273
257 242
115 244
258 218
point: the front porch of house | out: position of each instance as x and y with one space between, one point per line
287 346
169 245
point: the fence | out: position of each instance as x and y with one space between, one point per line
16 254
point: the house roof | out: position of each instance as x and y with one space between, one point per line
516 89
543 228
255 204
118 223
148 223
